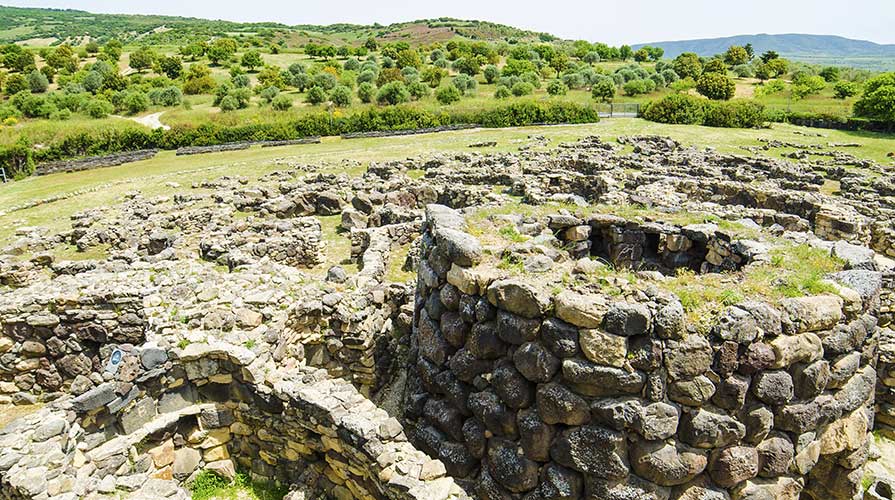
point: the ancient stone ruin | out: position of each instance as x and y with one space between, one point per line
596 320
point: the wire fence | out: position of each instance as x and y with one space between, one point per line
618 109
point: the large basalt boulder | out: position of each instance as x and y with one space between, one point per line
592 450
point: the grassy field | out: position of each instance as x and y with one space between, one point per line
105 186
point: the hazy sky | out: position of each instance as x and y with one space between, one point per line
611 21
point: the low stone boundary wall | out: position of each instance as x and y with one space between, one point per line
218 148
415 131
165 416
92 162
523 393
51 342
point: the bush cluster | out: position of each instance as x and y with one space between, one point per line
688 110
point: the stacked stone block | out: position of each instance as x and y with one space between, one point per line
527 394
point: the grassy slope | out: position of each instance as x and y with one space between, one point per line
150 176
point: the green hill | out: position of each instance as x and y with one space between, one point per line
818 49
53 26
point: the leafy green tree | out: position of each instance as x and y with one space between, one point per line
341 96
625 52
15 83
845 89
93 82
281 102
19 60
92 47
366 92
393 93
135 102
371 44
830 74
769 56
777 67
502 92
111 51
592 57
716 86
63 57
656 53
557 87
687 65
325 80
736 55
251 59
301 81
38 82
409 58
142 58
878 100
170 66
749 50
447 94
221 50
468 65
198 80
604 90
559 62
271 76
193 51
715 66
316 95
433 76
166 96
642 55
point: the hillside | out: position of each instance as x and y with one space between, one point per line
51 26
819 49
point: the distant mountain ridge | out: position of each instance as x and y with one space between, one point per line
809 48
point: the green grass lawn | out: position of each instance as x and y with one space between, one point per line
107 186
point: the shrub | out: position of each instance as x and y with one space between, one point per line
830 74
522 88
366 76
167 96
281 102
325 80
676 109
735 114
464 83
393 93
805 85
38 82
316 95
366 92
670 76
716 86
448 94
269 93
557 87
341 96
532 78
98 108
572 81
844 89
637 87
135 102
658 79
744 71
878 100
418 90
688 110
229 103
715 66
502 92
491 73
241 81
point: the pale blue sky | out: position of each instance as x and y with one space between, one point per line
612 21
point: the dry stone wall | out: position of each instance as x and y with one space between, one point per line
171 414
527 394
